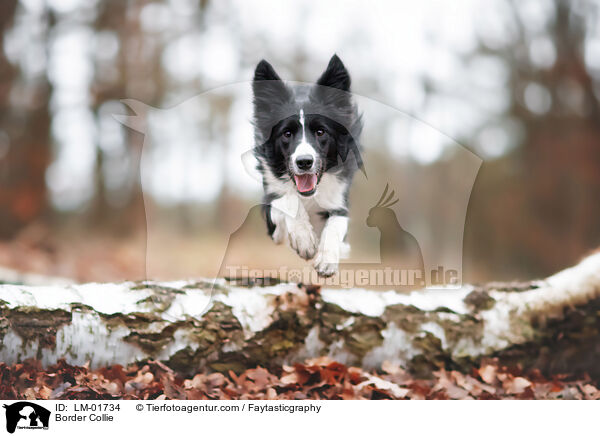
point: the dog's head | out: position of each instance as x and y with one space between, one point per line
303 131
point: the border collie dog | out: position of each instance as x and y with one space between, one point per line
307 150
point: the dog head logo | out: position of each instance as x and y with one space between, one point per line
24 414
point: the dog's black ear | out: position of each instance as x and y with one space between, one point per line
333 85
271 97
336 75
268 87
265 71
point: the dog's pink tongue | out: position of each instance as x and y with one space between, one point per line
306 182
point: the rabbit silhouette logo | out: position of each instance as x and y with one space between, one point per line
26 415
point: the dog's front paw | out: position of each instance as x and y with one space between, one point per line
278 234
326 269
326 262
303 239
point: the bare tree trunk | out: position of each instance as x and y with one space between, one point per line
24 140
550 324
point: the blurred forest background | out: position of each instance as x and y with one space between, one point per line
516 82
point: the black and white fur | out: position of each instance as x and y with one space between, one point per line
308 150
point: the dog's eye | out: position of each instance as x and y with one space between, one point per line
287 134
320 132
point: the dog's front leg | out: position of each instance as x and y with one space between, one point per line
332 246
292 223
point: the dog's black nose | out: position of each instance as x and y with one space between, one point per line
305 162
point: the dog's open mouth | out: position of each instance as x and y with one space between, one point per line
306 183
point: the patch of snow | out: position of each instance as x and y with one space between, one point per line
312 343
312 347
107 298
253 309
191 303
373 303
572 286
181 340
437 331
396 348
346 323
339 352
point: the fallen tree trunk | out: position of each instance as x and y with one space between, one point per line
551 324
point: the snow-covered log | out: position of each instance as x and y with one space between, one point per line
196 325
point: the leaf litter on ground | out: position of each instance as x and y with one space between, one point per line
319 378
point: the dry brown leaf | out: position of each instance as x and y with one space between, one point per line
516 385
488 374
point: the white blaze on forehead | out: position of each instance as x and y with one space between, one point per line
302 124
304 147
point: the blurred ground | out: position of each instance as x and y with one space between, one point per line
109 257
103 256
97 258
